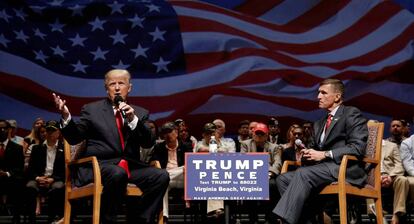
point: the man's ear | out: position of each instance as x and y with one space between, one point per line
338 97
130 88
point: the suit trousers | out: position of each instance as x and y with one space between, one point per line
176 181
152 181
298 188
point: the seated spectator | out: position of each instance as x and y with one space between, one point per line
293 152
223 144
184 134
209 129
41 137
274 131
407 158
290 139
397 129
252 125
308 133
259 143
243 131
215 208
146 153
33 137
11 172
170 154
12 133
392 176
46 174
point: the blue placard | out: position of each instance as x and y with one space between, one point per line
227 176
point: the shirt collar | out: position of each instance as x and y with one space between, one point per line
333 112
5 142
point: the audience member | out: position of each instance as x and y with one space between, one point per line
293 152
392 176
223 144
290 139
170 153
114 131
215 208
407 157
33 137
308 133
146 153
12 133
342 132
260 143
46 174
397 130
209 129
243 132
252 125
274 131
11 172
184 134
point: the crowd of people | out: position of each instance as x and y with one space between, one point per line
125 141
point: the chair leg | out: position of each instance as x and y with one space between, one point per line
68 209
342 209
160 217
378 210
96 208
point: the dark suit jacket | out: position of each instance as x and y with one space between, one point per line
347 135
98 126
161 153
37 162
13 160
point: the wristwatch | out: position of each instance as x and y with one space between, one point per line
328 154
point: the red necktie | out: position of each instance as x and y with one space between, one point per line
1 150
328 122
119 123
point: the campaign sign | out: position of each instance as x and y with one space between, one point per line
226 176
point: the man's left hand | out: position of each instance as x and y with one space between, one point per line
129 111
313 155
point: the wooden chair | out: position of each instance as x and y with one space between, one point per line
373 165
94 189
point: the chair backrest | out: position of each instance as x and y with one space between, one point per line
373 151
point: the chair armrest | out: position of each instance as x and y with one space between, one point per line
288 163
344 164
91 159
95 167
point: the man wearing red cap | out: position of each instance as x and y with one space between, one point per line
259 143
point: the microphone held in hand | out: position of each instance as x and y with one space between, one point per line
299 144
117 100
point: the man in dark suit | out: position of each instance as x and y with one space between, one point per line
11 171
46 174
114 131
342 132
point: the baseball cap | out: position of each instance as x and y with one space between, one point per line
260 127
209 128
273 121
12 123
168 127
52 125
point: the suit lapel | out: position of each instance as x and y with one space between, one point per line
335 120
109 118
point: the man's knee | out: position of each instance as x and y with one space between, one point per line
401 182
164 177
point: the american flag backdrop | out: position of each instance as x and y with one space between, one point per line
199 61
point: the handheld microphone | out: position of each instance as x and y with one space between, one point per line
117 100
299 144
